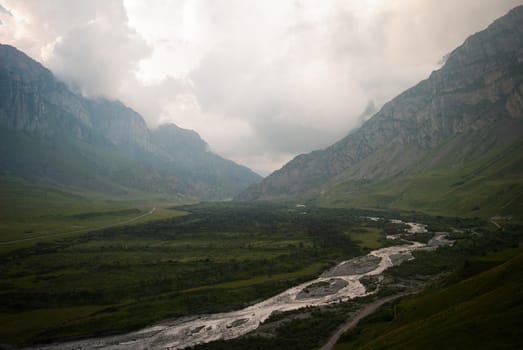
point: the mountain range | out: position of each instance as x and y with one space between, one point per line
51 135
453 143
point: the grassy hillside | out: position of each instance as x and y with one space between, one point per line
484 311
488 186
64 160
31 213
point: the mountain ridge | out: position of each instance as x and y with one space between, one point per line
476 96
39 114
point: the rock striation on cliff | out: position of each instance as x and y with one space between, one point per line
52 135
471 106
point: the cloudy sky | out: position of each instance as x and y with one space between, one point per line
261 81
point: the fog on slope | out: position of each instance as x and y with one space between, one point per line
260 81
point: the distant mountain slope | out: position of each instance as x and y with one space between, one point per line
190 154
50 134
470 108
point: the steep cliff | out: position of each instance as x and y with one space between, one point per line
52 135
33 100
471 106
189 153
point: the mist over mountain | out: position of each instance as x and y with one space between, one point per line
53 135
120 229
452 141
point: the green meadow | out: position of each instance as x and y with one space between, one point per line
472 299
118 275
77 265
31 213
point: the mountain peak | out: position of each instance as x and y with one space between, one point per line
51 134
174 137
15 60
471 106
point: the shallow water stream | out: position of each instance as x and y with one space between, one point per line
340 283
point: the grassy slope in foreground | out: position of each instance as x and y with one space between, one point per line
484 311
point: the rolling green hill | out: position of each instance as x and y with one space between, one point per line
480 312
490 185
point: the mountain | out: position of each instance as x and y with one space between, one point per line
51 135
453 142
190 154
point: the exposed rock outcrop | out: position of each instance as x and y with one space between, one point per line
473 104
51 134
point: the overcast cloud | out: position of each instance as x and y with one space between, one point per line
261 81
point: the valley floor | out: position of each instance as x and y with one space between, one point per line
216 258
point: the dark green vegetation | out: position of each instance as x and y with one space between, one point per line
219 257
52 136
480 306
475 302
451 145
306 330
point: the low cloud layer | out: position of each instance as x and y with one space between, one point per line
261 81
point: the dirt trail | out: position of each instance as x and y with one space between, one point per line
355 319
80 230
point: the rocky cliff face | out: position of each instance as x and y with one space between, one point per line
473 104
48 133
120 125
31 99
189 153
176 140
